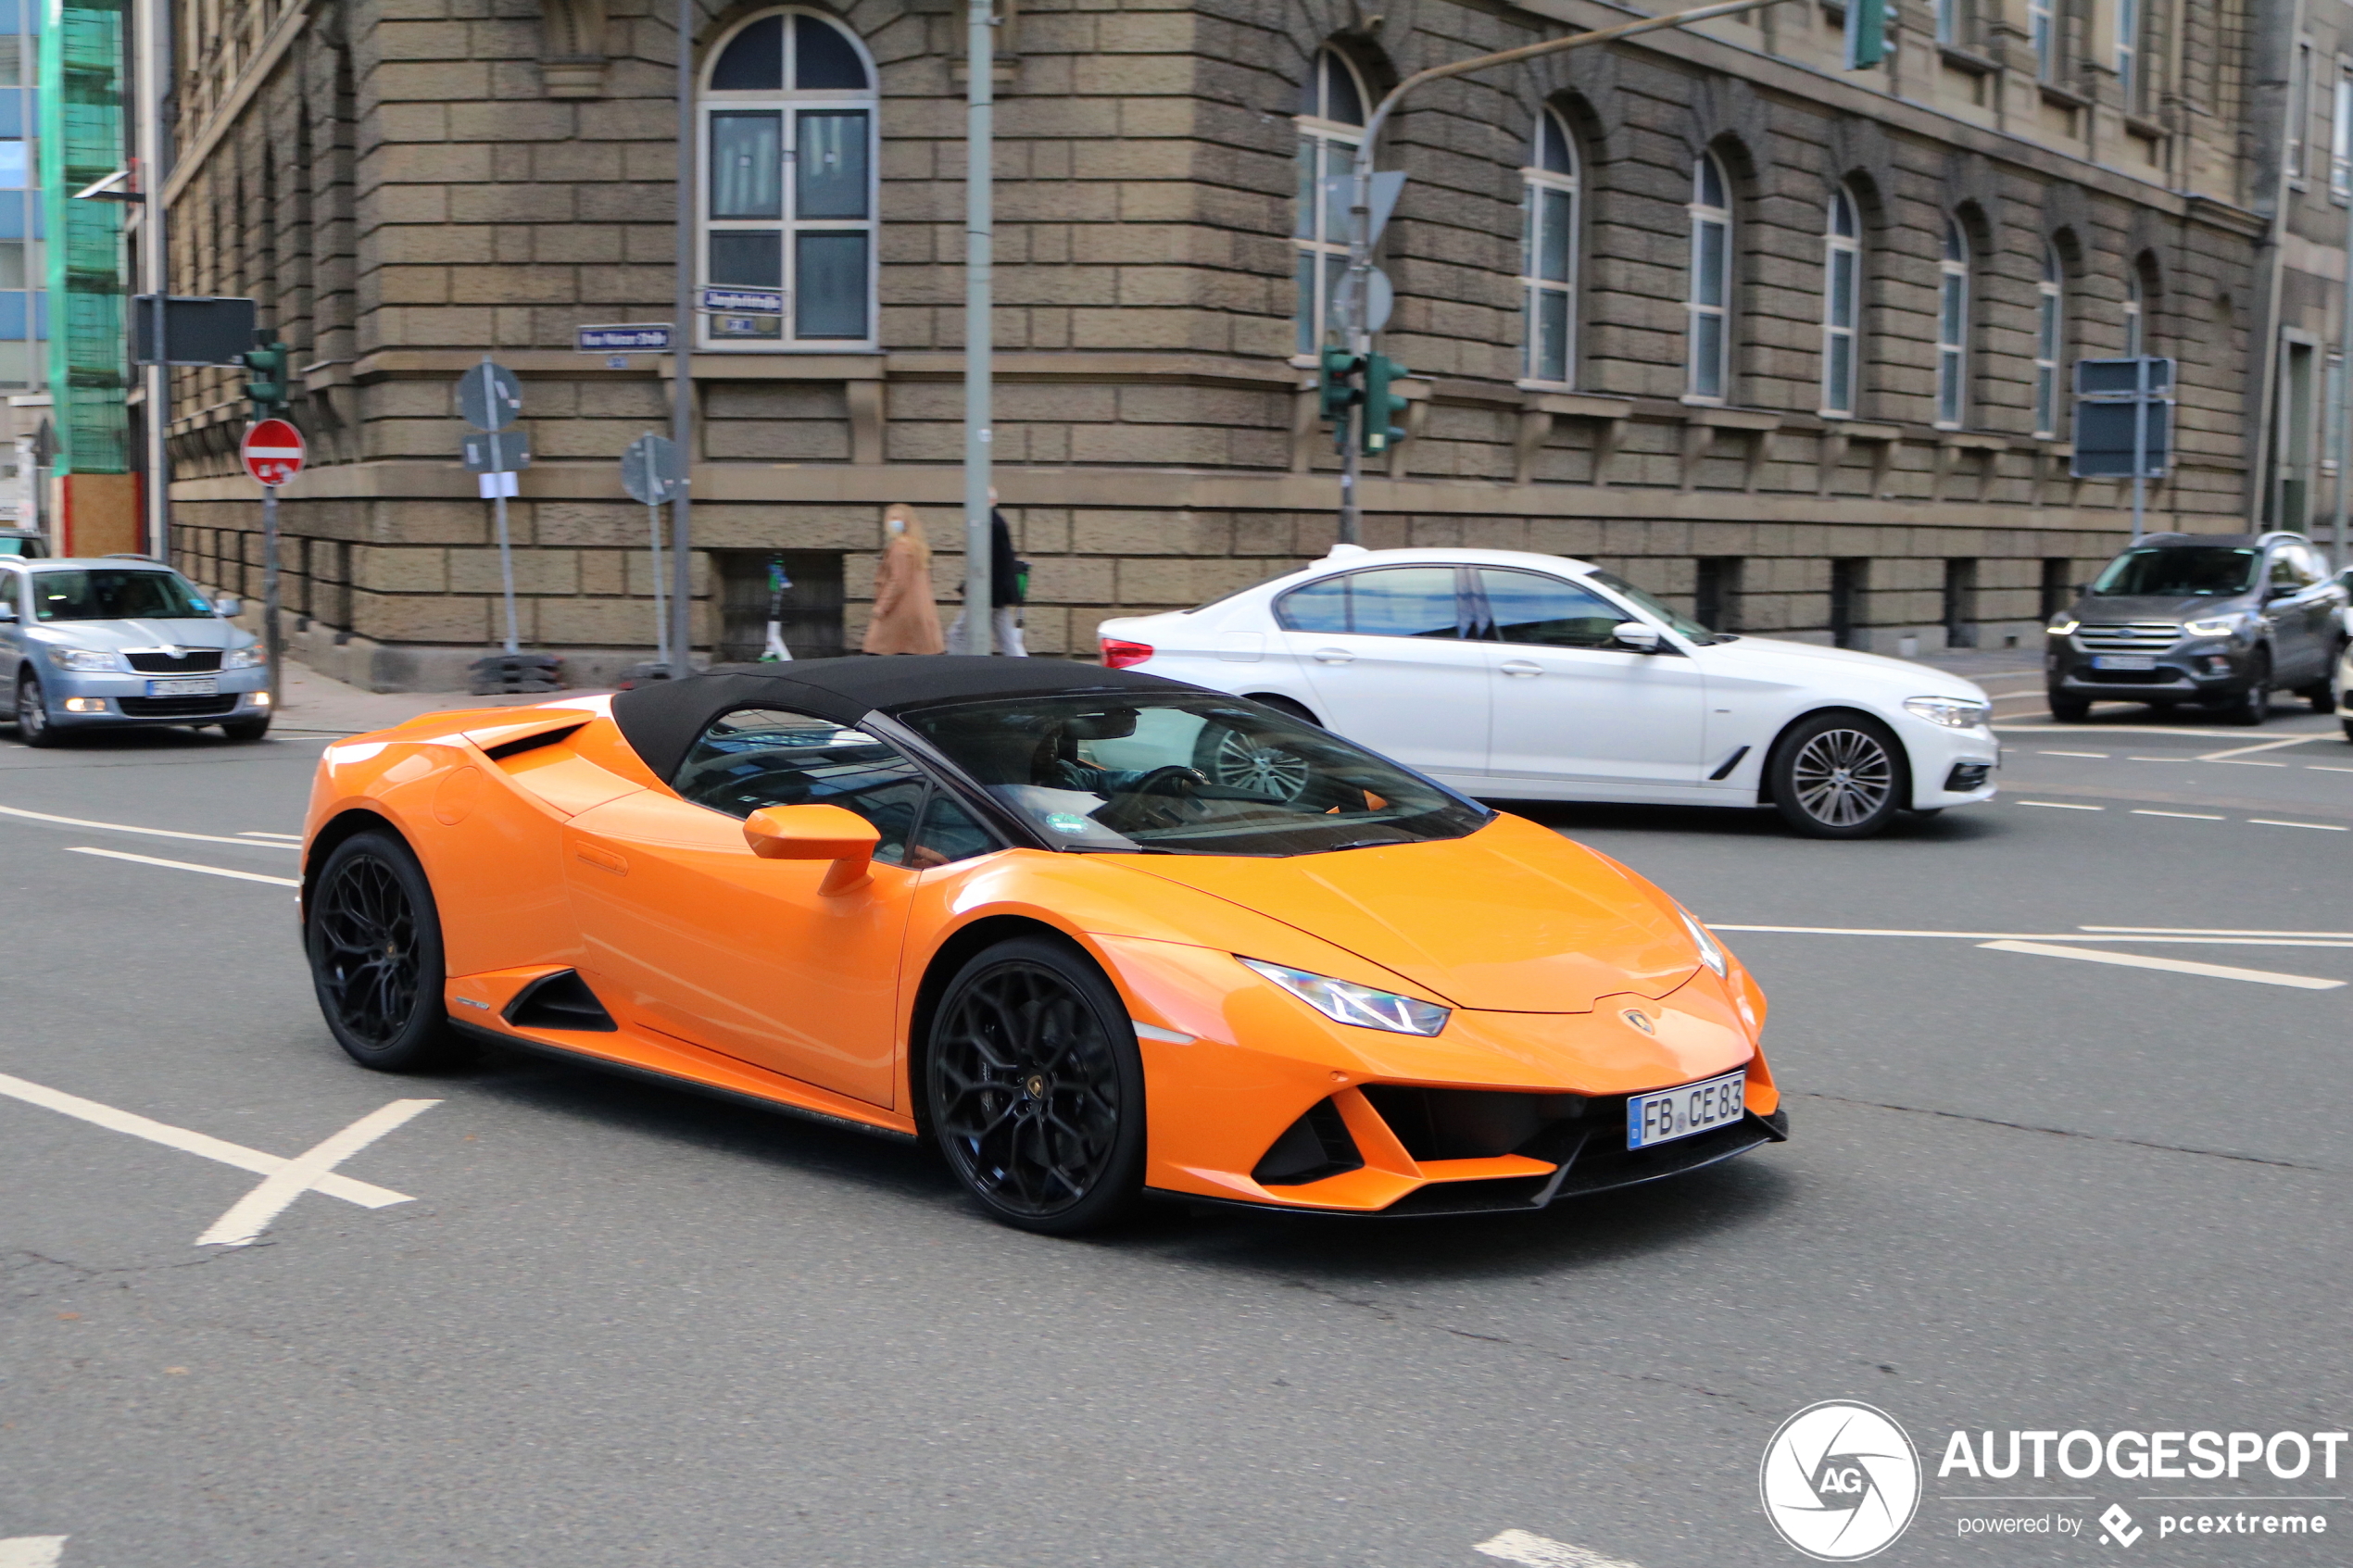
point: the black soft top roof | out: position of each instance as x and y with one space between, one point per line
662 719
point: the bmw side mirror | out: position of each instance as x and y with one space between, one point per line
227 606
815 833
1634 635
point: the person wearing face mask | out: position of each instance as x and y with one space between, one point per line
1005 595
906 619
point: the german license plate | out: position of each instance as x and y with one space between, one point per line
1678 1113
186 685
2123 661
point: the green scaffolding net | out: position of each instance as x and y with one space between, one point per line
82 142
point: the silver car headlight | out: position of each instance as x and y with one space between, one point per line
2212 626
2063 626
84 659
244 659
1344 1001
1711 952
1953 712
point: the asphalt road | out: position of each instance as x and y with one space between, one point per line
614 1326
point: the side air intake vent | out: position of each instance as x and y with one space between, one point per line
562 1000
1315 1145
516 747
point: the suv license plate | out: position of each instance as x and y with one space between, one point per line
186 685
2124 662
1678 1113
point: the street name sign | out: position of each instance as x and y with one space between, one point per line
742 301
642 337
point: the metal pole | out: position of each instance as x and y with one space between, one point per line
272 636
980 114
2140 441
1360 337
662 613
682 385
505 553
2344 421
154 77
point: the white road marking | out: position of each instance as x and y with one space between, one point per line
2324 767
259 832
2175 966
126 827
2236 762
32 1552
2059 806
2185 816
2080 934
251 1214
365 1194
2215 931
2099 754
2266 746
185 866
2317 827
1533 1551
2123 730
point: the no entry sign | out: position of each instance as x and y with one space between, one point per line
272 451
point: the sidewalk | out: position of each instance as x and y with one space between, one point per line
315 704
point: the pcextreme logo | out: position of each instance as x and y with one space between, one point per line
1840 1480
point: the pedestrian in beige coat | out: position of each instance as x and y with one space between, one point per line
906 619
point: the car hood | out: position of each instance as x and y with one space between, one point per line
206 631
2159 607
1810 663
1512 919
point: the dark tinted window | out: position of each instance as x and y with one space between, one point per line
1530 609
107 593
755 60
2175 571
823 59
949 833
760 757
1396 601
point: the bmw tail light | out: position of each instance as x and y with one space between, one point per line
1119 655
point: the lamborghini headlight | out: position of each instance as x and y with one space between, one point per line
1344 1001
1710 952
84 659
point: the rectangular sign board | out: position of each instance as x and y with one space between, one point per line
742 301
195 330
641 337
498 451
2104 439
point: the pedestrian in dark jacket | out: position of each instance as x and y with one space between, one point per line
1005 596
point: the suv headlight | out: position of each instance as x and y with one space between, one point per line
1710 952
244 659
1344 1001
2063 626
2212 626
84 659
1953 712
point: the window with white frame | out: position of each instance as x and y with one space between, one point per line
788 197
2136 306
1951 327
1708 305
2299 109
2128 51
2042 36
1948 21
1549 253
1842 303
2049 303
1330 122
2341 139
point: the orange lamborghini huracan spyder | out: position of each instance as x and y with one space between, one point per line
1096 933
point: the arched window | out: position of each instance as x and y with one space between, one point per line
1549 263
1842 303
2049 306
1331 120
788 198
1952 329
1708 304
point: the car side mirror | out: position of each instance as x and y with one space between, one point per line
1635 636
227 606
815 833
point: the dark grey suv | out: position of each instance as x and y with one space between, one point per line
2219 619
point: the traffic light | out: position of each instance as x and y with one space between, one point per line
1866 32
267 389
1335 387
1384 403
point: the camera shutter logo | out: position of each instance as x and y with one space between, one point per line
1840 1480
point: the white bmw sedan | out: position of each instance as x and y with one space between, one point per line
1532 677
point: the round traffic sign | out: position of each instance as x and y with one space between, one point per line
488 396
272 451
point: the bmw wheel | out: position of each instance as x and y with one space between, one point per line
1250 763
33 713
373 938
1838 775
1034 1089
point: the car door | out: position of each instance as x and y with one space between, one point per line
2289 603
1573 704
1384 652
704 940
11 630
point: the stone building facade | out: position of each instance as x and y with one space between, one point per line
1785 342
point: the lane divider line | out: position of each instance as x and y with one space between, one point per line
251 1214
126 827
259 832
185 866
2266 746
2214 931
32 1552
2101 754
2316 827
2185 816
2174 966
2324 767
2079 934
365 1194
2057 806
1533 1551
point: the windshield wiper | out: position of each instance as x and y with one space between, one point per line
1363 844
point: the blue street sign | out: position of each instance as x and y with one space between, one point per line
743 302
644 337
2123 418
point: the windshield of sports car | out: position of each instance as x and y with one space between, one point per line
1659 607
1188 773
111 593
2180 572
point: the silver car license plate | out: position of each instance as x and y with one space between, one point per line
2123 661
185 685
1680 1113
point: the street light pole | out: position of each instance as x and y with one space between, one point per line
980 115
1356 296
154 43
682 360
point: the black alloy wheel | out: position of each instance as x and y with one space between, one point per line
33 713
1838 775
1036 1090
374 942
2253 706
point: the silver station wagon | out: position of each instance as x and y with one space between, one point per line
91 645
